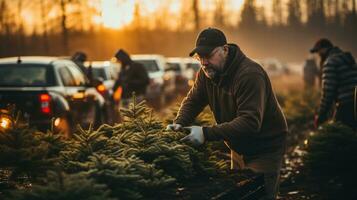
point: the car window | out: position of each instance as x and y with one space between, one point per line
34 75
79 77
66 76
99 72
150 65
194 66
174 66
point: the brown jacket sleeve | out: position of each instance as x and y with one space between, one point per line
194 102
251 98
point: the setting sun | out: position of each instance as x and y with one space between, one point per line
116 14
119 13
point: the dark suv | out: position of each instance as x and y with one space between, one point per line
47 88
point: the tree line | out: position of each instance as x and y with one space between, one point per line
288 33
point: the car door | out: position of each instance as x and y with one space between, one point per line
84 96
75 95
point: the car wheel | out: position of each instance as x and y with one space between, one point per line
99 118
64 127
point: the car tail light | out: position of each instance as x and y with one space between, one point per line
45 100
101 89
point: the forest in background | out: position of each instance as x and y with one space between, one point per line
288 34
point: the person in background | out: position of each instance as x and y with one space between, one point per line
339 84
311 73
133 77
79 58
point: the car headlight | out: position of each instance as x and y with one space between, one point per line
5 122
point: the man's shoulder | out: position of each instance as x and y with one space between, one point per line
251 68
339 57
336 60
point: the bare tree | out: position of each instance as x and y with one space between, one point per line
20 30
277 12
316 15
249 18
44 12
196 14
64 28
219 13
294 16
184 21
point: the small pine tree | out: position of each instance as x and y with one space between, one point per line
60 186
25 152
331 160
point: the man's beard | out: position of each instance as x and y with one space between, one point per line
210 71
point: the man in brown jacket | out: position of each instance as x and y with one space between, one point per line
239 93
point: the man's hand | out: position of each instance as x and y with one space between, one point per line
195 137
316 121
174 127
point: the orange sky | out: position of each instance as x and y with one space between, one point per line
119 13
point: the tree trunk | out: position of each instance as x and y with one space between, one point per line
46 47
196 13
64 26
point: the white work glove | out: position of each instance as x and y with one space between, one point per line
195 137
174 127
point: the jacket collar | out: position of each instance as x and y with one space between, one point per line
234 60
333 51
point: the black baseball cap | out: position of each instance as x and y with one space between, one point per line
320 44
207 40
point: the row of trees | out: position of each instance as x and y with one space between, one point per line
292 22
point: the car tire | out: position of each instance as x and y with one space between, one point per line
99 117
65 127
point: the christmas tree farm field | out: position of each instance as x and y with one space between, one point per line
136 159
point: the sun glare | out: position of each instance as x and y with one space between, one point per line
116 14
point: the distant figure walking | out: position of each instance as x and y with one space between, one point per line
79 58
133 77
311 73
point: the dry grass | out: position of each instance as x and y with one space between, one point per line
286 83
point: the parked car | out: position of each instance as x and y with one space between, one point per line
162 84
192 67
106 72
273 66
46 88
178 66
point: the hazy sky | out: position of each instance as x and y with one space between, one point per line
118 13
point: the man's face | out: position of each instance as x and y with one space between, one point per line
322 54
214 62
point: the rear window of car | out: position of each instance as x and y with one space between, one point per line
174 66
99 72
150 65
20 75
193 66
